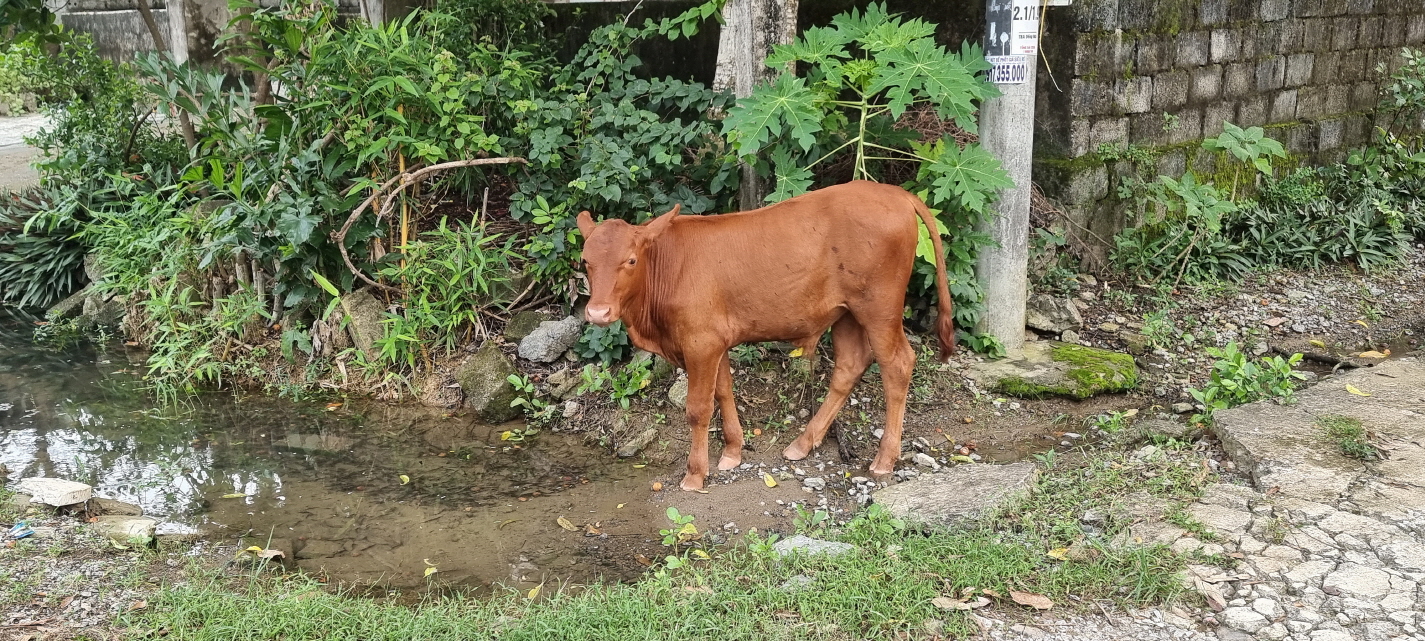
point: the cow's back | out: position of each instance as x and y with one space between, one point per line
789 269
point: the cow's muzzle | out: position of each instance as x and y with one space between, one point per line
602 316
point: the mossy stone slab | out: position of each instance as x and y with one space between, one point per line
1050 368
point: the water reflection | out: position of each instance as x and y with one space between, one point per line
366 493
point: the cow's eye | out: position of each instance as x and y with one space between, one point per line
632 261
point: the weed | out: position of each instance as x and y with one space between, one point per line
1350 436
536 409
1237 380
810 523
1112 422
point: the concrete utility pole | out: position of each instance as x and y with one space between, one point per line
750 29
1007 132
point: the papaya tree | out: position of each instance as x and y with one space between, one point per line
854 81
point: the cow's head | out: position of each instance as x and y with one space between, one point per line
615 258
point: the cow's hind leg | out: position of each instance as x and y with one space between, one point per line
731 427
853 355
702 387
897 360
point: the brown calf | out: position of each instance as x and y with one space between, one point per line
690 288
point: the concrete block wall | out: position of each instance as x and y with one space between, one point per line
1163 75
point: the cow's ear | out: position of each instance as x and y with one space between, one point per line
657 226
586 224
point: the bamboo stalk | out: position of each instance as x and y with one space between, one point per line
405 220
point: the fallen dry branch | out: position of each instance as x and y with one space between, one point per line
401 182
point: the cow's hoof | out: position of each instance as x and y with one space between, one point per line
880 472
692 483
796 451
729 461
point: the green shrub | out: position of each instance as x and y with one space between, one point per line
1236 380
38 265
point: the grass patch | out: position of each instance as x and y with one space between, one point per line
1349 435
882 590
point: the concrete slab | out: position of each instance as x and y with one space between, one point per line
1284 447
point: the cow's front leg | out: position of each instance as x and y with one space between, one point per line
731 427
702 386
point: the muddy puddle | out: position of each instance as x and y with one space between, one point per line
361 494
372 495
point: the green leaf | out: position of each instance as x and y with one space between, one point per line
297 227
792 178
970 176
786 107
815 46
325 284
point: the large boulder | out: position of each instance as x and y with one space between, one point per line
551 339
484 379
364 312
1050 368
71 306
523 324
1052 314
958 495
103 311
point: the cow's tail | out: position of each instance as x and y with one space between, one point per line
945 322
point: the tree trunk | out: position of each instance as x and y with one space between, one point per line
751 29
190 138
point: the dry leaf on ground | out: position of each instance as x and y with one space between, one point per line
1036 601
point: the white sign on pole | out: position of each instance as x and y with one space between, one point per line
1025 41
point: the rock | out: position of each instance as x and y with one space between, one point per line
811 547
797 583
1268 608
128 530
54 492
19 501
925 460
323 443
523 324
814 483
101 311
1135 343
1088 280
633 447
92 270
363 314
71 306
1070 336
483 378
661 369
1359 581
958 495
1223 519
551 339
117 508
1050 314
1050 368
571 408
678 393
1109 327
1244 619
1028 631
562 384
1182 408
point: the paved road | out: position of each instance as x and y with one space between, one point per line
15 156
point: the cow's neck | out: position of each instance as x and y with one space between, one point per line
646 310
